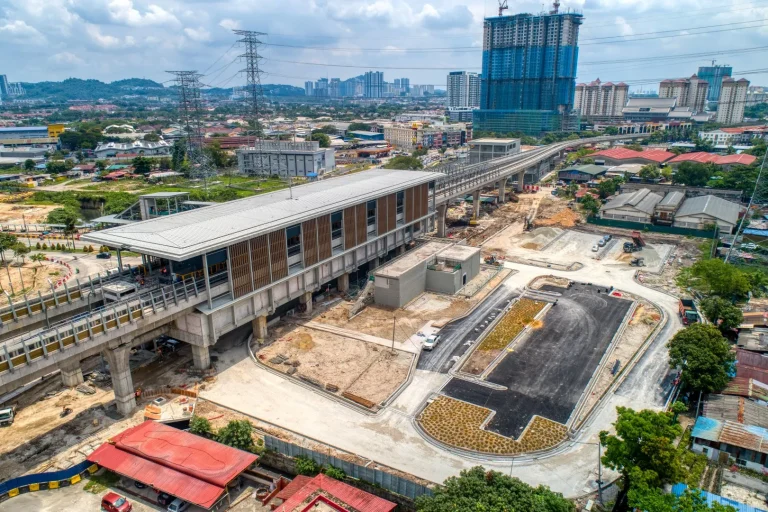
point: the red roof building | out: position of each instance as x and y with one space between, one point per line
625 155
705 158
181 464
332 494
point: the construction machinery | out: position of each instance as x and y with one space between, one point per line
492 260
631 247
688 312
7 415
638 239
637 262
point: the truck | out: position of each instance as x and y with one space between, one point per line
688 312
637 238
631 247
7 415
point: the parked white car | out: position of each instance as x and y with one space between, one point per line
431 342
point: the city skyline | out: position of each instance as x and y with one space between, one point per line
136 38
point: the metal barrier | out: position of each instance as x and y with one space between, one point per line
29 347
394 483
43 481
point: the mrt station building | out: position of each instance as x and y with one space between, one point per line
269 253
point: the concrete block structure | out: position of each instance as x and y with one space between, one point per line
282 158
482 150
436 266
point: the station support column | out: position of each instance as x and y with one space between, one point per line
476 204
71 374
343 283
122 383
260 327
442 210
306 299
201 357
502 190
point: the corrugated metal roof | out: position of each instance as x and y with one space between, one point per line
750 388
293 487
679 489
703 158
352 497
652 155
184 465
590 169
732 433
672 199
710 205
202 230
643 200
736 408
158 477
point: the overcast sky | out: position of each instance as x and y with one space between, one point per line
114 39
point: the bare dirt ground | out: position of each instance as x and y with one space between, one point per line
685 254
365 369
377 320
555 212
41 440
644 319
33 275
32 214
742 495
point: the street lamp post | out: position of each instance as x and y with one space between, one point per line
599 468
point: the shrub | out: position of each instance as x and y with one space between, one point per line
37 246
200 426
306 466
334 472
45 246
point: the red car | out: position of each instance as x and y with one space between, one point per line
113 502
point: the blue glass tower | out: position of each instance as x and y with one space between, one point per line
529 64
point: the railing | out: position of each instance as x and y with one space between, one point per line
29 347
31 306
463 178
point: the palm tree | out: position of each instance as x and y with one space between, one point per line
20 251
38 257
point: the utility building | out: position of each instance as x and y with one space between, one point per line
282 158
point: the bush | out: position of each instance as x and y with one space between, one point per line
334 472
237 434
37 246
45 246
200 426
306 466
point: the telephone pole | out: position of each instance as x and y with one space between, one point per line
190 109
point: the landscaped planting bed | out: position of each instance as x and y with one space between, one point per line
520 314
459 424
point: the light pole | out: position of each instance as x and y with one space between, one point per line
599 468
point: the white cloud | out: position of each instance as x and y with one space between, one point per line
625 29
229 24
198 34
66 59
19 31
107 41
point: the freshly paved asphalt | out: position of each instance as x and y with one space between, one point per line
550 368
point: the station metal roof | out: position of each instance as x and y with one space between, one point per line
187 234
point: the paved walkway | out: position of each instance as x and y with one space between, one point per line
390 437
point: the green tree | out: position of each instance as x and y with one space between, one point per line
404 162
704 355
590 204
571 189
643 497
56 166
218 156
359 127
649 172
37 257
722 313
634 147
642 450
477 490
200 426
607 188
29 164
714 277
419 152
328 129
703 145
101 164
164 163
142 165
237 434
611 130
152 137
323 139
693 174
7 241
178 154
20 251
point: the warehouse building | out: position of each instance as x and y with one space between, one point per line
618 156
436 267
700 212
581 173
635 206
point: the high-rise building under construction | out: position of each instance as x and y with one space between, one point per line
529 64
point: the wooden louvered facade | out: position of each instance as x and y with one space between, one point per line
381 215
240 268
361 222
349 228
409 205
309 242
260 261
391 211
278 254
324 237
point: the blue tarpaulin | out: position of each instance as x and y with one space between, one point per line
679 489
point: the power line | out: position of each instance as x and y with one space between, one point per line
217 60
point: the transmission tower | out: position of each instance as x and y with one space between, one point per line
251 43
190 109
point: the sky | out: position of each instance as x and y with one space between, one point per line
114 39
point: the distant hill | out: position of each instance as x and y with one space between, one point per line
78 89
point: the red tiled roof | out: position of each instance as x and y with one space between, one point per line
704 158
653 155
351 496
184 465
